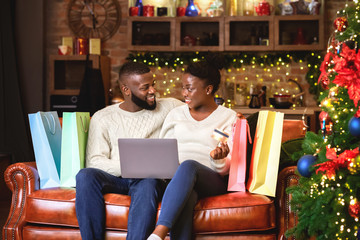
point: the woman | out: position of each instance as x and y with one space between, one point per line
192 125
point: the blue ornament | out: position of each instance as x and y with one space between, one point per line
304 164
354 126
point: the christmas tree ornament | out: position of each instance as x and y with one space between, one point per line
304 164
354 126
354 208
341 24
333 42
354 165
333 93
325 123
324 83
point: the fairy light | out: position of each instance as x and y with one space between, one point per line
177 65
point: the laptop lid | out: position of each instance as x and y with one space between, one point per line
148 157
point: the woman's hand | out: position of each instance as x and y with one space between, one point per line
220 151
240 115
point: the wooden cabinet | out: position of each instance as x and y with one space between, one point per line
249 33
67 74
199 34
150 33
226 33
287 30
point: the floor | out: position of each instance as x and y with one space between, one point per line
4 212
5 193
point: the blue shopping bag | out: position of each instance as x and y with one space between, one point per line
75 127
46 137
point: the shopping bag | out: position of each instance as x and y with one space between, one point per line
74 138
266 153
237 173
92 94
46 137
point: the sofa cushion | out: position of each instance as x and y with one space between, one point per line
232 212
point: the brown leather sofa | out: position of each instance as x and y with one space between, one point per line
50 213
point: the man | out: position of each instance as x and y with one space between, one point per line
138 116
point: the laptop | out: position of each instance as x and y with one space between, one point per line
148 157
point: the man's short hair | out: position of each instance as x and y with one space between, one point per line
132 68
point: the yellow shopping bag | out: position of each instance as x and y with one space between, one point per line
266 153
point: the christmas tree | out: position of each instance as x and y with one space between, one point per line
327 199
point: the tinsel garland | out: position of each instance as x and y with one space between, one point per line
237 60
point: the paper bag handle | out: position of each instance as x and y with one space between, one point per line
48 122
247 130
84 128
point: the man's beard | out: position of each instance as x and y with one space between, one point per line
142 103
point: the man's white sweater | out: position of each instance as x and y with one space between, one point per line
194 137
111 123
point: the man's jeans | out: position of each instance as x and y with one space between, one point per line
92 184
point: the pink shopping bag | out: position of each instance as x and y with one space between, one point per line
237 171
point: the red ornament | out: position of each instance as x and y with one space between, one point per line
324 116
324 78
354 208
324 82
341 24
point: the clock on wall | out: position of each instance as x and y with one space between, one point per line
94 18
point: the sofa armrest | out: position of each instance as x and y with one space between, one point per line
22 179
286 218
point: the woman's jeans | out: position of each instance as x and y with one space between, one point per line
192 181
92 184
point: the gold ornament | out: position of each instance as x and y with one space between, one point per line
354 208
333 92
354 165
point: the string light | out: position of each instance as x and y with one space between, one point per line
239 65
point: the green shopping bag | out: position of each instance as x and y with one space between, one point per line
75 128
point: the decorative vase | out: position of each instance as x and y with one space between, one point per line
300 38
139 4
191 10
233 8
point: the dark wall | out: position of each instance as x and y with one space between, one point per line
29 37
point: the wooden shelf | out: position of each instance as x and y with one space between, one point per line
232 32
67 73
